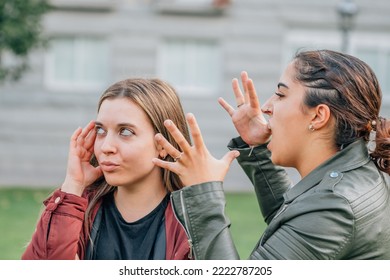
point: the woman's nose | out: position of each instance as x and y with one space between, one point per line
267 107
108 146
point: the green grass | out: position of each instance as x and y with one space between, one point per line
247 222
20 209
19 212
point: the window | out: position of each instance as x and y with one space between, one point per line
192 66
194 7
79 63
309 40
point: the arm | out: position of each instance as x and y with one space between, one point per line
58 230
60 225
200 209
270 181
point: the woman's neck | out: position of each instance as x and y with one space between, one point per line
318 153
135 202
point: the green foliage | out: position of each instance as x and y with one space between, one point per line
20 32
20 209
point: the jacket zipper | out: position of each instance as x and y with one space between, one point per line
185 226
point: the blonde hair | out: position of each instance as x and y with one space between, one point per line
160 102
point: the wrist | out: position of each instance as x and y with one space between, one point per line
72 187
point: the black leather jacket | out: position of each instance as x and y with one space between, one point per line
341 210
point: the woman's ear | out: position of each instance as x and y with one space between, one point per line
161 151
321 117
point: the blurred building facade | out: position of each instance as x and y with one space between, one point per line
196 45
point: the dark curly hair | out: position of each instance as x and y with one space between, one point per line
351 90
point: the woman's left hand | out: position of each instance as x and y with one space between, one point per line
195 164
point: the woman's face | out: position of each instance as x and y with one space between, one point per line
287 120
124 145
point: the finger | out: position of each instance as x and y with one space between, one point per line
253 100
171 166
228 108
178 136
244 81
230 156
85 132
237 92
87 129
195 132
90 139
168 147
73 138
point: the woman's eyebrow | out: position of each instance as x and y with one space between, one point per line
282 85
97 123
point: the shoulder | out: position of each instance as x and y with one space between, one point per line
360 184
359 194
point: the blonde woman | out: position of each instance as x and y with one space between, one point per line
114 202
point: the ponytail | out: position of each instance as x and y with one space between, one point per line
381 153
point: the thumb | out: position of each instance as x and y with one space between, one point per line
230 156
98 172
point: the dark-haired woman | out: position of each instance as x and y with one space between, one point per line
324 122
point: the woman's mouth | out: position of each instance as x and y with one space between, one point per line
108 166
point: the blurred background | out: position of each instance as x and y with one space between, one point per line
84 46
196 45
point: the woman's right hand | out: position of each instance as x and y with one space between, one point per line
80 173
195 164
247 118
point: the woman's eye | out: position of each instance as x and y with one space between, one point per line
99 131
126 132
280 95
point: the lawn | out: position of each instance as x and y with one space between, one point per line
20 208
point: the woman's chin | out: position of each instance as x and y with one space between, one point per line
269 146
111 180
273 154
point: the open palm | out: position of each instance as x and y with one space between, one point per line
248 119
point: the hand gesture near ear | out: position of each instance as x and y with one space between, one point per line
247 118
80 173
195 164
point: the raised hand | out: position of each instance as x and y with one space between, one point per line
80 173
195 164
247 118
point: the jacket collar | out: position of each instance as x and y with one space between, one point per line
353 156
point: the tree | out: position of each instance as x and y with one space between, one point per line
20 32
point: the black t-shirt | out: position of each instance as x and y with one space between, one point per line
117 239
